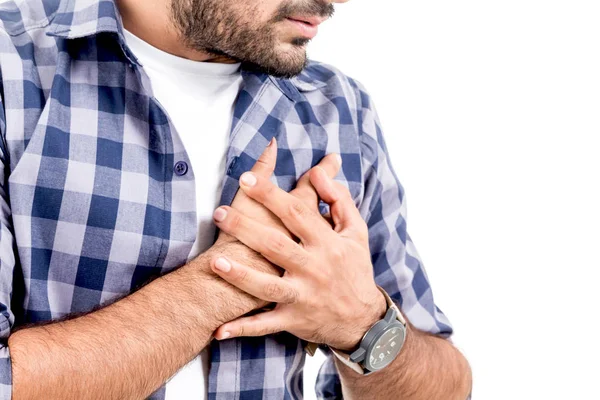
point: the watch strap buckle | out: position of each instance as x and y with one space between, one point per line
311 348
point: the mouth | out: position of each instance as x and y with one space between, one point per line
307 25
309 20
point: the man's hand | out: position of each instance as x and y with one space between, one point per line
328 293
230 247
264 167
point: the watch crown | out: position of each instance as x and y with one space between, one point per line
358 355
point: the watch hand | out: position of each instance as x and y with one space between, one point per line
392 338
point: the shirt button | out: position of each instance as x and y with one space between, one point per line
181 168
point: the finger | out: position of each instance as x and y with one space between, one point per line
343 211
257 325
273 244
257 283
329 220
265 165
302 221
304 189
331 164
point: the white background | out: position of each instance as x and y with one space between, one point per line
491 111
491 114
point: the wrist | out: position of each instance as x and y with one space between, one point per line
410 348
225 301
190 286
381 344
376 311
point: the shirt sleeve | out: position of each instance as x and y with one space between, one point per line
397 267
7 265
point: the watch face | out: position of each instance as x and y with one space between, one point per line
386 348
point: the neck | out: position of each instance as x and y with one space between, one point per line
150 21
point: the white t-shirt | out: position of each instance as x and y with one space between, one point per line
199 98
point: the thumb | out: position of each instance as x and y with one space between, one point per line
265 165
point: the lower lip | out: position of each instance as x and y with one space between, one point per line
308 31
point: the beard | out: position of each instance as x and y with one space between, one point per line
235 30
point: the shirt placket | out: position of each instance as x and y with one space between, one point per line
234 369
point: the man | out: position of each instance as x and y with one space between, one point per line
124 124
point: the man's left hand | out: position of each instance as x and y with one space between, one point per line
327 293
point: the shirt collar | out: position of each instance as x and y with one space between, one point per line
81 18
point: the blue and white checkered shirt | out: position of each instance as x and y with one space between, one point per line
92 205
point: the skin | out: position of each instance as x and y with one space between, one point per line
105 354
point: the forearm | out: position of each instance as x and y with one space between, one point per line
128 349
428 367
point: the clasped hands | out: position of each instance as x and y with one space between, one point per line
327 293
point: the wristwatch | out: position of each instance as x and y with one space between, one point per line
380 345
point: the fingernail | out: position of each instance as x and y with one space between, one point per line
271 142
222 264
339 159
248 179
220 214
225 335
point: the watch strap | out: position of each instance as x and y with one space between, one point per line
345 359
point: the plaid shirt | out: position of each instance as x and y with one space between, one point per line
92 205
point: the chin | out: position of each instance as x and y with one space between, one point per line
292 51
285 60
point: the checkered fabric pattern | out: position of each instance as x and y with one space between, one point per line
91 207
